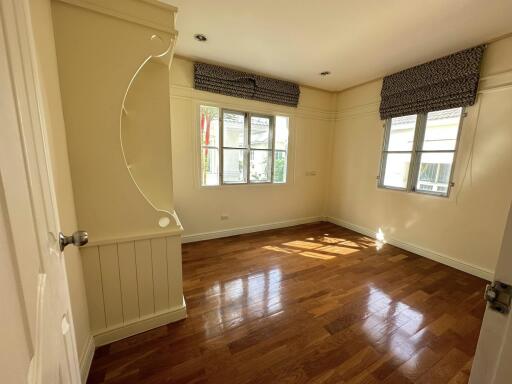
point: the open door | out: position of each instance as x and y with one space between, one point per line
493 358
30 208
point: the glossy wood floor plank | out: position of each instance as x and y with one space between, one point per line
315 303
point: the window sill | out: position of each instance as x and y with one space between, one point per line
414 192
246 185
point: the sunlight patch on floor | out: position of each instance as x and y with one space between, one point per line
279 249
349 243
331 240
303 244
338 250
316 255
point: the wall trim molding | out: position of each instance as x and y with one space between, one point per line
143 324
495 82
189 93
176 231
357 110
86 358
418 250
191 238
489 83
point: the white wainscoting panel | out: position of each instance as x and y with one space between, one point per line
133 286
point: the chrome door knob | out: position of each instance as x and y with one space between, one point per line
78 239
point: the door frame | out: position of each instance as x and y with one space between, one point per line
25 168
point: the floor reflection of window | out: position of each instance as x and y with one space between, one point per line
387 321
255 292
274 291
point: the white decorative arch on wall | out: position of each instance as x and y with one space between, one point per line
144 129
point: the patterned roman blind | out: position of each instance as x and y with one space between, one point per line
448 82
217 79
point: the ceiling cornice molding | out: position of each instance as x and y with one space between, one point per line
149 13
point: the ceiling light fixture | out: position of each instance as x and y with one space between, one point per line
325 73
200 37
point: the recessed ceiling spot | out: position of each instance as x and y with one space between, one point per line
200 37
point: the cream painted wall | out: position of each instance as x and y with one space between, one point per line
302 197
45 46
98 55
467 226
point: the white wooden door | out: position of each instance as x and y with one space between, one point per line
25 174
493 358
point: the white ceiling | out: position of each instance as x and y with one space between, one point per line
357 40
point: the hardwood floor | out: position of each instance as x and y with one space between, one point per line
315 303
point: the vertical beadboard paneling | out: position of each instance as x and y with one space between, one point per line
174 271
111 284
144 277
93 287
159 259
133 285
128 277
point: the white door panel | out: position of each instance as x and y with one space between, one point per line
30 203
492 364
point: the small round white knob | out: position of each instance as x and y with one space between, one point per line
164 222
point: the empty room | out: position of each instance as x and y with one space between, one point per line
242 192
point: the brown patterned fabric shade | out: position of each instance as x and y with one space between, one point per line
448 82
217 79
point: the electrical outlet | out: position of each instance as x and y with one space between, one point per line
224 217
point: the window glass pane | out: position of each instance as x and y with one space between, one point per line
397 170
280 161
260 166
401 134
442 129
234 166
434 172
209 166
209 125
260 132
281 132
281 149
235 134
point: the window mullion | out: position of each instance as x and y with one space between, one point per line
416 151
456 149
273 151
248 148
387 131
383 158
221 144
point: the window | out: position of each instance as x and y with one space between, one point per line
241 147
419 151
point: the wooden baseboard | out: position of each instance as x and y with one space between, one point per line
86 358
111 334
250 229
440 258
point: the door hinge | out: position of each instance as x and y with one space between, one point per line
499 296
